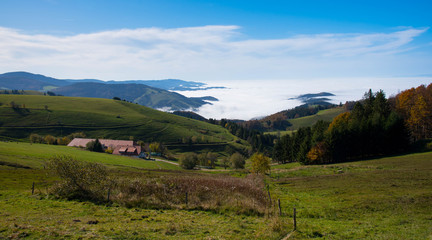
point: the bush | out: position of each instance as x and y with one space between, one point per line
109 150
205 192
79 180
224 162
188 160
36 138
237 161
51 140
260 163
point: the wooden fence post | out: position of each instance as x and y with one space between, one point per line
268 190
280 209
295 220
109 193
186 198
33 188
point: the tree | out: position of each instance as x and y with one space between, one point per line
210 159
260 163
154 147
51 140
318 154
95 146
225 162
418 119
36 138
237 161
188 160
202 159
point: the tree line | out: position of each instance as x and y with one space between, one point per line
258 140
375 126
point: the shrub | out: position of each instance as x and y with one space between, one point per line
225 161
260 163
51 140
205 192
188 160
63 140
78 180
109 150
237 161
36 138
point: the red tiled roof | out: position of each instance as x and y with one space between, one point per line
82 142
131 150
119 146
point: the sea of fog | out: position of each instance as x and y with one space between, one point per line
257 98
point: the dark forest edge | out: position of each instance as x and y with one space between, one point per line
376 126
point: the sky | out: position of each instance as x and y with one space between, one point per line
266 42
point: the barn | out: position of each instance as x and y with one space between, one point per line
119 147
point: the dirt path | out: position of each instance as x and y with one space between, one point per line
162 160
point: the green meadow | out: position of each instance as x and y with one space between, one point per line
100 118
387 198
36 155
23 215
325 115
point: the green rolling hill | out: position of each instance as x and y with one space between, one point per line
326 115
101 118
296 123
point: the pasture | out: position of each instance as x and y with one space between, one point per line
387 198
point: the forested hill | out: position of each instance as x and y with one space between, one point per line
150 93
136 93
376 126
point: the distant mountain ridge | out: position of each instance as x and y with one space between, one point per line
138 93
315 98
151 93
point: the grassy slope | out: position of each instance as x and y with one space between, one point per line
387 198
35 156
38 216
326 115
103 118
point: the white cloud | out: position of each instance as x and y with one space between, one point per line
262 98
201 53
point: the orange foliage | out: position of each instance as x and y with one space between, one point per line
341 120
416 107
318 154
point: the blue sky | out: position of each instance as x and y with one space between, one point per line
216 40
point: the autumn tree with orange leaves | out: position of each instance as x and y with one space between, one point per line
415 105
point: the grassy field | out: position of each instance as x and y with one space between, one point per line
36 155
387 198
326 115
23 215
101 118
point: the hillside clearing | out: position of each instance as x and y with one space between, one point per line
387 198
